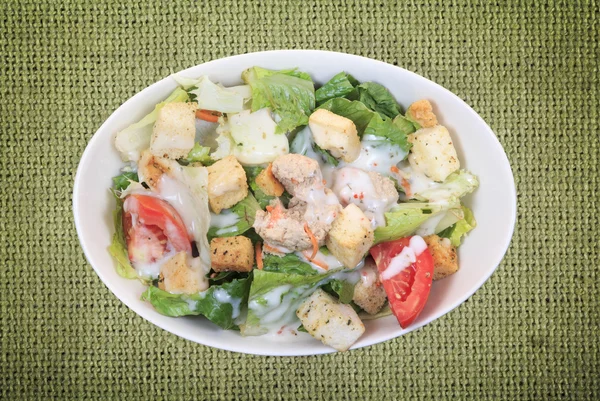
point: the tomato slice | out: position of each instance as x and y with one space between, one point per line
150 224
408 290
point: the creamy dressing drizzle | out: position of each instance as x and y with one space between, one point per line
226 219
331 261
224 297
405 258
353 185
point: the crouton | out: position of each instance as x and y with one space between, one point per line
179 276
232 254
422 112
151 168
174 131
445 260
325 318
226 184
369 294
267 182
351 236
433 153
336 134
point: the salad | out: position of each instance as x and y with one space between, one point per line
275 208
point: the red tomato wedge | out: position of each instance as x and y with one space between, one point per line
150 224
408 290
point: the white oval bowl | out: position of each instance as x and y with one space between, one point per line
493 203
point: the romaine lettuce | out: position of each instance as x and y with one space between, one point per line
290 94
340 85
211 96
459 229
122 181
118 247
274 298
221 304
199 154
456 186
377 98
405 218
368 122
246 211
290 264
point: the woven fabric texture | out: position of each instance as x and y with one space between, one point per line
530 69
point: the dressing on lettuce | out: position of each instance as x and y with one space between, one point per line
245 210
290 94
221 304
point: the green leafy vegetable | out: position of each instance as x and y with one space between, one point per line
377 98
289 93
211 96
351 109
131 141
274 298
459 229
386 129
404 125
368 122
342 289
246 211
118 247
198 154
251 173
290 264
122 181
340 85
327 157
207 303
301 329
456 186
405 218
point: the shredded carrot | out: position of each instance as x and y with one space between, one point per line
406 186
208 115
276 213
269 208
321 264
272 250
394 169
313 240
315 261
259 258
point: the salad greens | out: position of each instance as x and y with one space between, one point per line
221 304
288 93
258 280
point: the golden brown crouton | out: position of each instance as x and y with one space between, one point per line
151 168
445 261
232 254
179 277
267 182
226 184
336 134
422 112
351 236
369 294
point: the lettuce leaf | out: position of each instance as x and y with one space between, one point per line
131 141
289 93
456 186
377 98
274 298
342 289
404 125
246 211
211 96
122 181
251 173
118 247
327 157
367 121
198 154
221 304
405 218
386 129
340 85
352 109
289 264
459 229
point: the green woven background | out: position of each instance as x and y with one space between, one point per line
531 70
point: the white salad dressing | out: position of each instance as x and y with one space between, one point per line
418 181
377 155
152 269
178 196
405 258
227 218
328 259
353 185
224 297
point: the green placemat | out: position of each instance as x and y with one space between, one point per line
530 70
